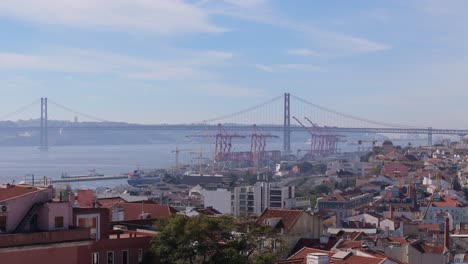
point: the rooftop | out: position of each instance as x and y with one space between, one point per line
337 258
12 191
287 216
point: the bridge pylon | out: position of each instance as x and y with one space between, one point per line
287 124
44 144
429 136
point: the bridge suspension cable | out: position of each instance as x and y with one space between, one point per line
19 110
224 117
94 118
351 116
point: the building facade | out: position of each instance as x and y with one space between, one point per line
255 199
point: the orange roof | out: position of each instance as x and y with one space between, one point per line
429 227
209 211
301 257
333 197
426 248
350 244
400 240
109 202
13 191
287 216
447 202
132 211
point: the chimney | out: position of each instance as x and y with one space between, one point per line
447 234
391 212
317 258
415 196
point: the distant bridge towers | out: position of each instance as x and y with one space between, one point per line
44 144
429 136
287 124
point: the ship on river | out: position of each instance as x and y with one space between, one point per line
139 178
91 173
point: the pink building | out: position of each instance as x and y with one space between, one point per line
36 227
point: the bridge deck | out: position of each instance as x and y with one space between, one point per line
271 128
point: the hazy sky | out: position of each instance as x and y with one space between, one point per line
175 61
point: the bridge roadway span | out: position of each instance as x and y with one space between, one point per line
228 127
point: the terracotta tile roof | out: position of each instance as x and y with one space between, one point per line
349 244
400 240
132 211
85 198
209 211
429 227
333 197
447 202
302 254
301 257
288 216
13 191
426 248
109 202
380 255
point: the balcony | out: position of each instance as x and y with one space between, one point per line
25 239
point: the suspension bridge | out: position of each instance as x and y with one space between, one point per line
275 115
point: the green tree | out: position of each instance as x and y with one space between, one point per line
208 240
321 189
250 178
306 167
320 168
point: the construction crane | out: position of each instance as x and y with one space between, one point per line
329 140
320 143
177 152
223 143
258 145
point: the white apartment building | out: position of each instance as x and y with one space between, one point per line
255 199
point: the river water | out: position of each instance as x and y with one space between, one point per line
17 162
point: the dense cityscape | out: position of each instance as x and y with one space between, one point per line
233 132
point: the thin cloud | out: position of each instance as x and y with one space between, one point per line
92 62
264 68
246 3
332 43
287 67
304 52
165 17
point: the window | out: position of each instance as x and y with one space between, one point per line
275 199
275 192
140 256
125 257
275 204
110 257
91 221
3 223
59 222
95 258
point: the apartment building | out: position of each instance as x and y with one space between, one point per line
343 204
38 225
255 199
